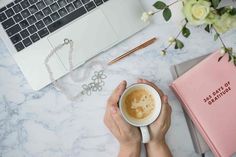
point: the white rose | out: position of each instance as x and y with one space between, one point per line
225 23
196 11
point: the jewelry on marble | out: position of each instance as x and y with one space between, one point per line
95 85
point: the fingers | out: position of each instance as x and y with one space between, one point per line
165 110
152 85
118 119
112 118
114 98
110 123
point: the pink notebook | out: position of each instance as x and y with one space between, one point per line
208 93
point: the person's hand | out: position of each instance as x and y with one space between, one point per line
157 145
127 135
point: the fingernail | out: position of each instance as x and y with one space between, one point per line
123 82
140 80
113 110
165 99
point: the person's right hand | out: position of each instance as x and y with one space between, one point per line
157 145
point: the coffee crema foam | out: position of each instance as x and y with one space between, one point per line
139 103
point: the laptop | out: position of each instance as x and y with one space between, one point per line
32 28
227 3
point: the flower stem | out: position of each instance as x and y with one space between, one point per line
176 37
167 6
228 50
173 3
221 40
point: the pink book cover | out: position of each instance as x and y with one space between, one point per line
208 93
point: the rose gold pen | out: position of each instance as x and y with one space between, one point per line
145 44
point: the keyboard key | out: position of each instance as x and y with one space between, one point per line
70 8
25 13
3 9
55 16
41 5
85 1
70 1
98 2
62 12
47 20
90 6
40 25
18 17
77 3
10 5
47 11
16 38
32 29
17 8
24 24
8 23
62 3
33 9
33 1
48 2
54 7
39 15
25 4
34 37
19 46
27 42
13 30
31 20
44 32
65 20
2 17
9 12
24 33
17 1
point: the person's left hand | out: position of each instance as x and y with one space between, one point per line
128 136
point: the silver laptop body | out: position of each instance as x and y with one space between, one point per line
32 28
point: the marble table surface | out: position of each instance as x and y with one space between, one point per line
46 124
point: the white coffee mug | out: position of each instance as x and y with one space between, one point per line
142 124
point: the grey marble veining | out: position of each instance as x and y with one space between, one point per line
45 124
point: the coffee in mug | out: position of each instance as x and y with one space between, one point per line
140 105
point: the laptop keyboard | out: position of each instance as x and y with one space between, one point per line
27 21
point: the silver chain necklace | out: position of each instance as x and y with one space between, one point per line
97 79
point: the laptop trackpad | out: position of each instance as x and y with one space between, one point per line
91 35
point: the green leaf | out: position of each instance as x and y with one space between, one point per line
229 50
233 12
220 58
215 3
167 14
159 5
235 60
222 10
216 36
208 28
186 32
179 44
229 58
